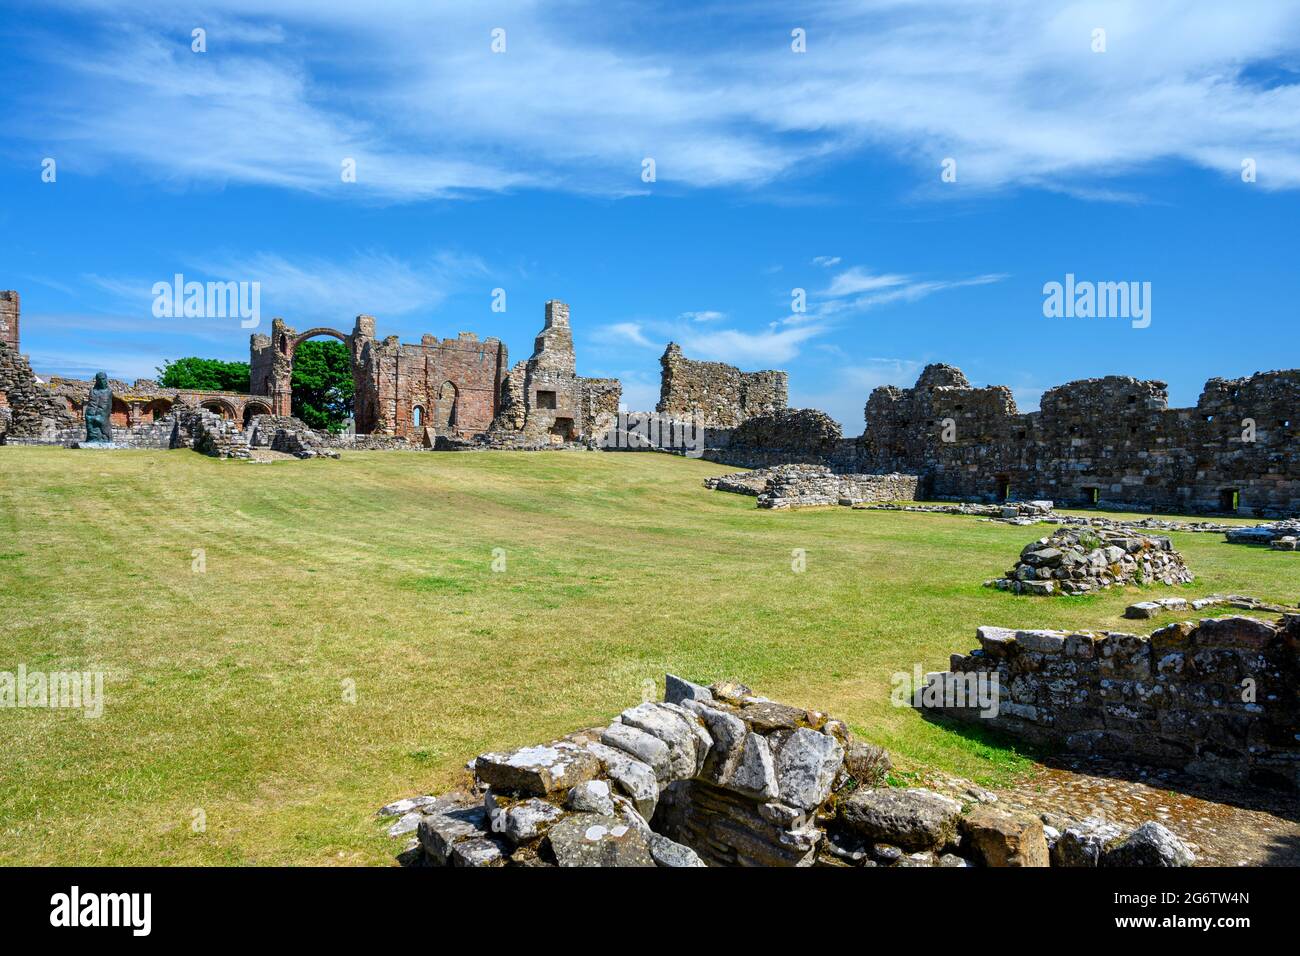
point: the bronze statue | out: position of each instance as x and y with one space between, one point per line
98 409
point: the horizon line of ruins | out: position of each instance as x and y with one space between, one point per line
1102 441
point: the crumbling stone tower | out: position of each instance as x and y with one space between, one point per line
9 308
545 400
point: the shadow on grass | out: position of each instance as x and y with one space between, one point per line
984 738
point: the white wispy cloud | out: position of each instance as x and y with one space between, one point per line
749 348
899 289
314 287
857 290
1013 92
852 291
855 280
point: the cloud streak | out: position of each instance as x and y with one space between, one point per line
1014 93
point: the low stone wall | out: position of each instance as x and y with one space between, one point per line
1143 610
1079 562
346 442
801 486
809 486
718 776
1215 698
152 435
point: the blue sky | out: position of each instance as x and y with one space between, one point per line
775 171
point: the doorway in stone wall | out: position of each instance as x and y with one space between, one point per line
1001 488
1230 500
444 409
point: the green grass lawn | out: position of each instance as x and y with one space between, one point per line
227 691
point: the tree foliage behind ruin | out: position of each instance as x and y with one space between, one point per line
206 374
322 384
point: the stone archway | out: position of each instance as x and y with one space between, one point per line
271 362
219 406
254 408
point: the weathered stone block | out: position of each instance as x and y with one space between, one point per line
586 839
536 770
913 819
806 766
1151 844
999 838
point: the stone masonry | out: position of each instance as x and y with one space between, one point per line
28 409
718 776
803 486
1109 441
9 311
715 393
449 386
544 401
1215 698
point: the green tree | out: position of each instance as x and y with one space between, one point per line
322 384
207 374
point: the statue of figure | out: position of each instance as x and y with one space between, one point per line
98 409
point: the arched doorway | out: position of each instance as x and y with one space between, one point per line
444 409
219 407
322 379
417 416
157 409
120 416
253 409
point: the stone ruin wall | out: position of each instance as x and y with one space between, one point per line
803 486
10 307
783 436
28 410
716 393
544 402
405 395
718 776
1215 698
451 386
1116 435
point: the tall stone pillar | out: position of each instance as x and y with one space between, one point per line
365 375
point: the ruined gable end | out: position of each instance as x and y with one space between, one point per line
715 393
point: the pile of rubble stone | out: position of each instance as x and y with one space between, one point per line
716 776
1079 562
290 435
